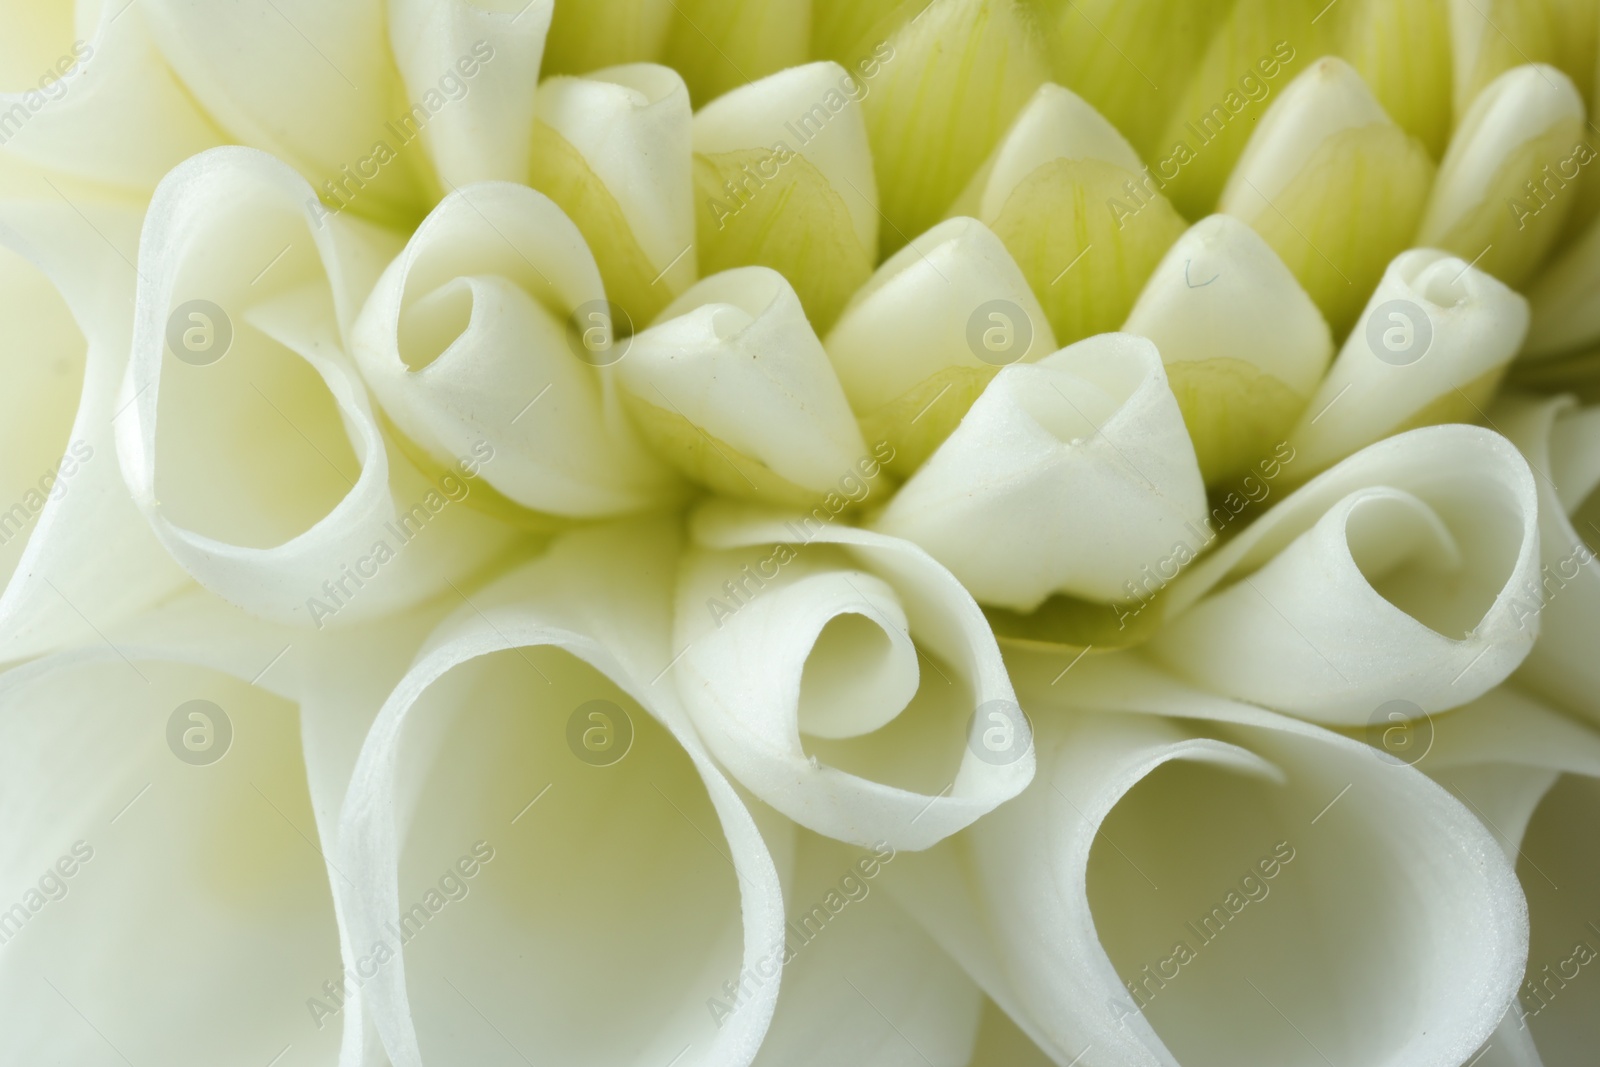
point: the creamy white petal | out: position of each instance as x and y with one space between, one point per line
733 387
1397 575
329 115
863 984
1430 347
194 915
1067 476
479 331
836 673
784 107
484 59
104 106
1055 124
1142 834
558 871
928 330
630 130
241 477
1500 198
1562 444
1243 344
74 551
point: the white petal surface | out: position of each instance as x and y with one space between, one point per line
1394 576
874 622
1067 476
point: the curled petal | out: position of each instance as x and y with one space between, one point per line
73 548
106 108
495 303
614 150
327 121
1431 347
485 63
1396 575
1243 344
733 387
1160 867
608 775
926 333
1065 477
1562 444
809 209
248 441
801 655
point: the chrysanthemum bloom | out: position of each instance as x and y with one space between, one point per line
693 532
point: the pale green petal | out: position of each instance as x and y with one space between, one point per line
946 86
1505 185
1565 313
1261 45
1333 185
733 387
1489 37
1068 476
613 150
1131 59
1401 48
910 350
783 179
1431 347
1243 344
721 44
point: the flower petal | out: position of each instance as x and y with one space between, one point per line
1065 477
1393 576
822 642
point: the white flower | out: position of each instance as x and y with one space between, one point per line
693 532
